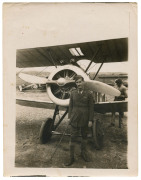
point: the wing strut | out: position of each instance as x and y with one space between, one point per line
92 59
98 70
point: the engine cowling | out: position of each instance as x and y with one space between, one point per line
60 94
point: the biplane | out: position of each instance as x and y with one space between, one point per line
60 82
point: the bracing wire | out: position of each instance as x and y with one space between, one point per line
41 71
20 71
92 66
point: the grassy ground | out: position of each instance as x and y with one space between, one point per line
30 153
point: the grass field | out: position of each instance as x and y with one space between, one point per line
30 153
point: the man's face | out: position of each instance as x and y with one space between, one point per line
79 83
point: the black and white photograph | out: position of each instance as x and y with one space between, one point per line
70 85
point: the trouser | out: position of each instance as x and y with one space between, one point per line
74 134
121 114
73 139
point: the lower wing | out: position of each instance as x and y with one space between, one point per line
101 107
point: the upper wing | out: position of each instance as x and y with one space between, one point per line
114 50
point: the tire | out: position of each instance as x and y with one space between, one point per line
98 134
46 131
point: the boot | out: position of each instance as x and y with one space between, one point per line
71 158
84 153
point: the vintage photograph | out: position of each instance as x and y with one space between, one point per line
71 77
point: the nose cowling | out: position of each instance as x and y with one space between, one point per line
60 94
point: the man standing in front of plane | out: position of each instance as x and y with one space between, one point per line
81 117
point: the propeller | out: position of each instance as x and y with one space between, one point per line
98 86
92 85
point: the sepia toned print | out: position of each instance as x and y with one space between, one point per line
50 53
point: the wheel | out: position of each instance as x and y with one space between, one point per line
98 134
46 131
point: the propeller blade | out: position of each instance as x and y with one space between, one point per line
42 80
69 81
101 87
35 79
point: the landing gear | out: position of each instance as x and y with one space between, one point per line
46 131
48 126
98 133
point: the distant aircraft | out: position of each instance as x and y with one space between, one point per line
61 81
